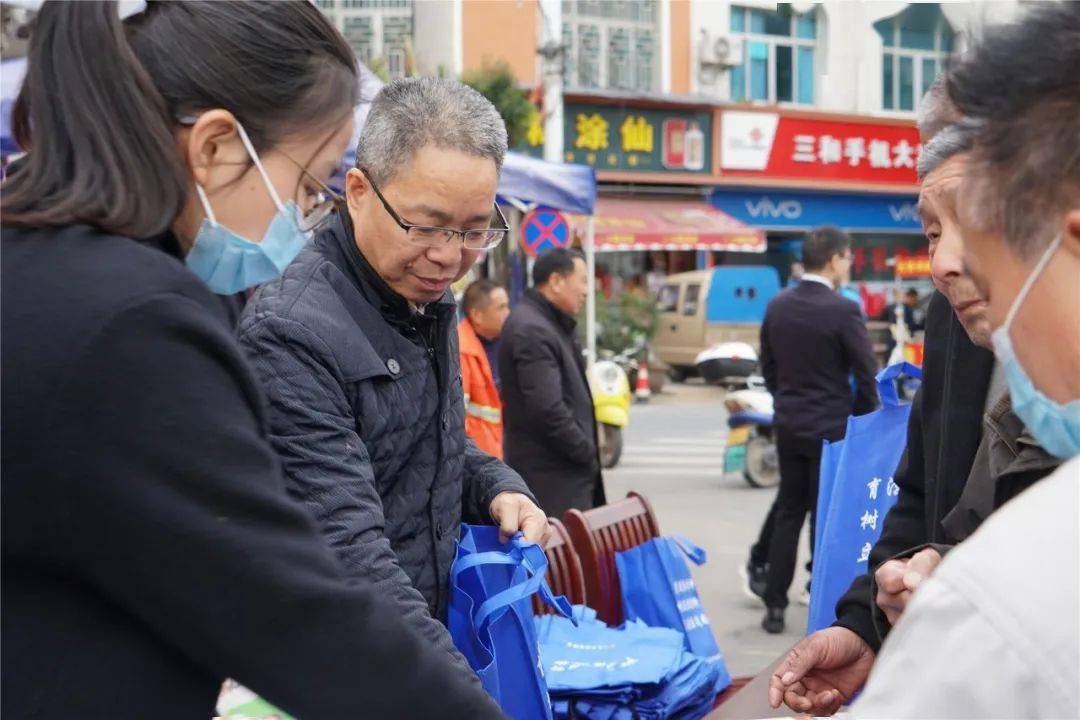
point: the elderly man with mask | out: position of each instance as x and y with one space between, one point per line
995 632
357 350
951 479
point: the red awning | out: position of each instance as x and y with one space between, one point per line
625 223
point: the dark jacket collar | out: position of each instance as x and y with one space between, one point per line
338 242
167 243
1024 452
546 308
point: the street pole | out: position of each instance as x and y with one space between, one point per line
590 300
551 68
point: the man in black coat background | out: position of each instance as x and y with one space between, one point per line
550 425
812 341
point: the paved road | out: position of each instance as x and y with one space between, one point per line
673 455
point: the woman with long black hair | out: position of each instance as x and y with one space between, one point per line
149 546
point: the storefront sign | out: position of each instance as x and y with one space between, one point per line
533 142
912 265
638 140
763 144
805 210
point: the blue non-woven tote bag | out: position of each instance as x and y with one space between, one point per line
491 618
830 457
855 493
658 589
600 660
633 672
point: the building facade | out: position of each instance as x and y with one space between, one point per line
783 116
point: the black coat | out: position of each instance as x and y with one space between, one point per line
944 432
812 341
150 549
550 424
367 414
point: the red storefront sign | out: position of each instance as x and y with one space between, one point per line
775 146
915 265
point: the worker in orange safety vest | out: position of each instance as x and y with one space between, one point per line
486 307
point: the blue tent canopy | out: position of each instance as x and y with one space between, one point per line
566 187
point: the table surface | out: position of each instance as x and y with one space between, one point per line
752 701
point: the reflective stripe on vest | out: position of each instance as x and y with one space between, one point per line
484 412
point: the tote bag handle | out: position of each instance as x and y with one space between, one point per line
694 553
526 555
886 386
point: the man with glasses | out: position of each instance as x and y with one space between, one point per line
356 348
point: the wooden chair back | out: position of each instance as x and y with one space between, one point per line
564 570
597 535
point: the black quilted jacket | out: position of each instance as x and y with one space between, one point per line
367 414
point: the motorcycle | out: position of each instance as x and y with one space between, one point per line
609 380
750 449
729 363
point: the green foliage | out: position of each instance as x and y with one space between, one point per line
380 69
497 84
620 322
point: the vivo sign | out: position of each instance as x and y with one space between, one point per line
905 212
766 207
804 210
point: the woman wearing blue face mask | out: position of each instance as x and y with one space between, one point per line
149 547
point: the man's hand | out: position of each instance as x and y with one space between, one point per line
898 579
515 512
822 672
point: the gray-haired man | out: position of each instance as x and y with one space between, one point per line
356 348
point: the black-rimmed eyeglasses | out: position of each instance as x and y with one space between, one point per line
325 202
428 236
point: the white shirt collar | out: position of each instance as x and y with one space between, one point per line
811 277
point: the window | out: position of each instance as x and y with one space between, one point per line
690 302
397 29
376 29
358 31
612 44
917 44
778 55
667 300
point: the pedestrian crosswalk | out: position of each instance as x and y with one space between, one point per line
695 457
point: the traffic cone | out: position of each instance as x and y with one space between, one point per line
642 392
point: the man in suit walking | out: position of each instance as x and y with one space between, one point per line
547 407
812 341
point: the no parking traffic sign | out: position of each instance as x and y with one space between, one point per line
544 229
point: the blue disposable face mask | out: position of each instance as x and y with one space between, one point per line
229 263
1055 426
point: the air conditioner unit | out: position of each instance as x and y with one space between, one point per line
718 54
728 50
